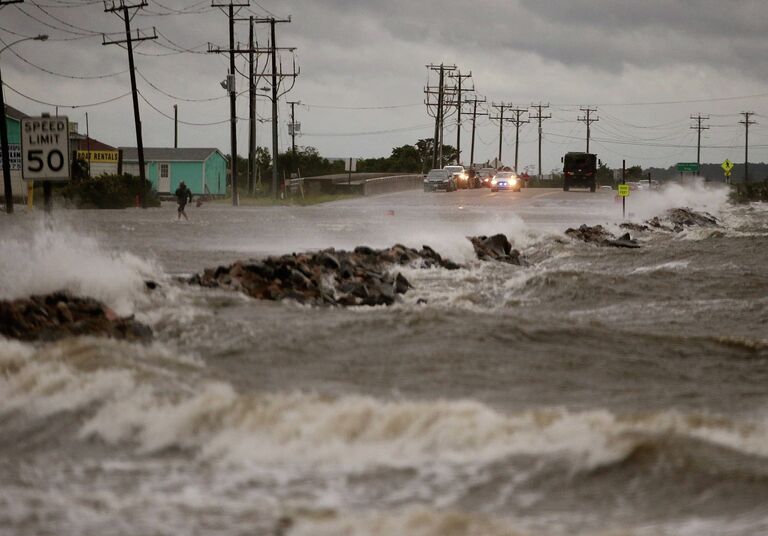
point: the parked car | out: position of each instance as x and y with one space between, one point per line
439 179
506 180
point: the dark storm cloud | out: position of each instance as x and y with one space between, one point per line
373 52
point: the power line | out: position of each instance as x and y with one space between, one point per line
69 106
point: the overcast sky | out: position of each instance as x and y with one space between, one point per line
367 58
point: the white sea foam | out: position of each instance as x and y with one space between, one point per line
60 259
695 195
132 403
672 266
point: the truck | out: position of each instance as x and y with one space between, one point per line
580 170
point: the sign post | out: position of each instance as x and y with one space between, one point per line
45 152
727 166
350 165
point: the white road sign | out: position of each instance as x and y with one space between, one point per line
45 149
350 164
15 151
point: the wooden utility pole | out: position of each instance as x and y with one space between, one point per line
175 126
460 89
540 117
251 109
437 149
747 121
229 9
276 77
517 120
121 8
293 126
501 107
474 102
698 127
588 119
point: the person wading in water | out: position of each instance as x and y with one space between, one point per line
183 196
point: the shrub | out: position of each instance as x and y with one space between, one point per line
109 192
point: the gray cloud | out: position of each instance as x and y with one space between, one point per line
369 53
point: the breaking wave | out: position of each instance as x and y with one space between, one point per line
144 406
58 259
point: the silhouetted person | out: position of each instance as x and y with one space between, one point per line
183 196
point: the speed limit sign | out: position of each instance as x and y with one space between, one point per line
45 149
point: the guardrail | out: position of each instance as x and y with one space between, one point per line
360 184
396 183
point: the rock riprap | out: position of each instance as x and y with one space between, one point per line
600 236
328 277
55 316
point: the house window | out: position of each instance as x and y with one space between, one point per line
163 171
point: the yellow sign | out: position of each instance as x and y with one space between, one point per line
727 173
623 190
727 166
99 157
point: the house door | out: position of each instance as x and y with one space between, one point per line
164 182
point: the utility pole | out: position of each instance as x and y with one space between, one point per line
4 149
517 120
251 109
747 121
121 8
501 107
293 126
230 10
540 117
437 149
588 119
175 126
460 89
474 102
699 127
276 77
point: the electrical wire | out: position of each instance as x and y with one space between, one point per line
72 106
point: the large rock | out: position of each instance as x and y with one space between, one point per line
598 235
328 277
58 315
685 217
496 248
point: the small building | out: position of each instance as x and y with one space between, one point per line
103 159
203 170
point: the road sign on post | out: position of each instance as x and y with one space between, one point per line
45 149
45 152
623 190
688 167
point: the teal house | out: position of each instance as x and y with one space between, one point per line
203 170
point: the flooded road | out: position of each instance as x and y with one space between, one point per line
598 391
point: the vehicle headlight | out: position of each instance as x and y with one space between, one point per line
513 181
493 181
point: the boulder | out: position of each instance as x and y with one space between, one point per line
56 316
496 248
599 236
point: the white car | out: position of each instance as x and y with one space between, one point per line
460 175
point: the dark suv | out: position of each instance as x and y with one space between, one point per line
580 170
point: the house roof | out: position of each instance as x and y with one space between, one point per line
159 154
13 113
83 143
